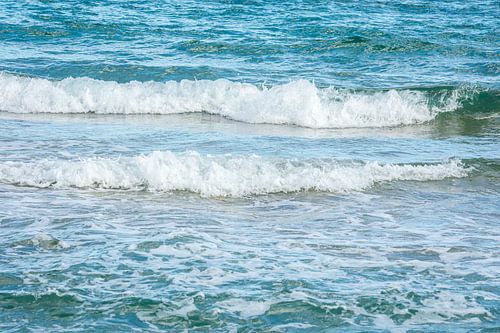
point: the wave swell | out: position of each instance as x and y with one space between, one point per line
221 175
299 103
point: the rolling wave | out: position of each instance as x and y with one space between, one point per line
299 103
220 175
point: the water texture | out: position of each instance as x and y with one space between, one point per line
249 166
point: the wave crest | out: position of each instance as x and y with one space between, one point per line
298 103
222 175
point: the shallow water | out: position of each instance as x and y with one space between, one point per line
286 167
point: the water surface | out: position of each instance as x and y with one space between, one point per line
249 166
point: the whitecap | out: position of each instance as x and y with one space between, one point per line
299 103
219 175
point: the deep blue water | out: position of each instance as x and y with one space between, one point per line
249 166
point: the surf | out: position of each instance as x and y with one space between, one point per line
298 103
220 175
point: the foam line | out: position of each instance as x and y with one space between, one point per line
298 103
223 175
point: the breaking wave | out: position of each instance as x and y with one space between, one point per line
219 175
299 103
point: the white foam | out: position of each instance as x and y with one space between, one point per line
245 308
447 305
298 103
223 175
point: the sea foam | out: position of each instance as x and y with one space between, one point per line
219 175
299 103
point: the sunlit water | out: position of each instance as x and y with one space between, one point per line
286 167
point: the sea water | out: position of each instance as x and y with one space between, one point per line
249 166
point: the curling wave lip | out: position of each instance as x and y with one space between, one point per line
299 103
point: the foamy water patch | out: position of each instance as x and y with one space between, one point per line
219 175
245 308
299 103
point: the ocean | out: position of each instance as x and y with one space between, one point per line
249 166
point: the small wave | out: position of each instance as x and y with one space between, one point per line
299 103
222 175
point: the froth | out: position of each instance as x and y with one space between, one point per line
223 175
298 103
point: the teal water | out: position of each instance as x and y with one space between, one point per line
248 166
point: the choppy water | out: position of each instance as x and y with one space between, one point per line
249 166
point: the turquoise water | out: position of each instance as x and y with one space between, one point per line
248 166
